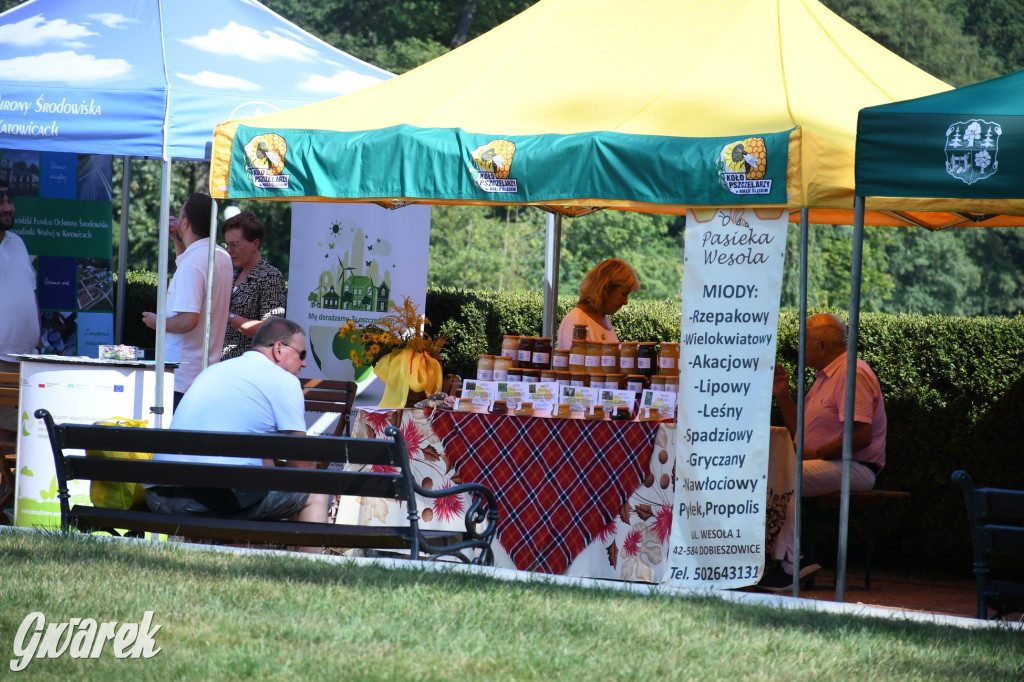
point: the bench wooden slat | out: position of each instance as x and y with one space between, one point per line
225 444
287 479
274 532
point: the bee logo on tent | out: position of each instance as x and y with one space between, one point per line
492 163
741 167
266 154
971 148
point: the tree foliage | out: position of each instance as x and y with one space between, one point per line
960 272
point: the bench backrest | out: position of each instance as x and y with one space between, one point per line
10 384
328 395
996 518
393 479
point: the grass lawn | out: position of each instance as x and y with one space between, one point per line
227 616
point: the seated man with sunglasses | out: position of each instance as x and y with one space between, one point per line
257 392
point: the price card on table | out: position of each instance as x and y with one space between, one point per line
481 392
544 394
585 396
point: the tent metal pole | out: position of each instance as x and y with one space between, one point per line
161 293
800 365
122 250
851 395
208 305
552 248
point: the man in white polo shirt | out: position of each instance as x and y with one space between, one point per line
257 392
186 295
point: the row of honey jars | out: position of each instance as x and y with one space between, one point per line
493 367
528 352
628 357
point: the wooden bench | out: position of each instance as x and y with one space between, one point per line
866 499
393 479
996 518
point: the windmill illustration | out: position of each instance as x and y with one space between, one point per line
346 296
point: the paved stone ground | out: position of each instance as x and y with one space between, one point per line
949 595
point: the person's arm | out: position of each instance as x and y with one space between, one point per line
780 389
284 462
176 240
178 323
272 298
834 450
245 325
565 329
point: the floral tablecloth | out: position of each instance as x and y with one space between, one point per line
583 498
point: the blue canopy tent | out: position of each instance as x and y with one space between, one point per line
151 79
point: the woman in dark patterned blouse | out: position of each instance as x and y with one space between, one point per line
258 290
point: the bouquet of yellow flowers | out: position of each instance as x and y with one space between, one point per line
402 354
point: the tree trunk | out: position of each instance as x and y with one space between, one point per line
465 20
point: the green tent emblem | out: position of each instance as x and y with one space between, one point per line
971 148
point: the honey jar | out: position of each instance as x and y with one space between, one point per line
485 368
609 358
541 353
646 358
578 356
628 351
525 356
502 365
668 358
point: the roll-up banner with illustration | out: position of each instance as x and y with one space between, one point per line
732 281
75 392
352 261
62 205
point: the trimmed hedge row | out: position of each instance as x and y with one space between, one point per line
953 391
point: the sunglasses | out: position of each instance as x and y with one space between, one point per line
302 353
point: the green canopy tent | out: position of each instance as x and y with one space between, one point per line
946 148
937 156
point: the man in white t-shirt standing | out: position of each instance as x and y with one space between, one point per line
19 311
186 295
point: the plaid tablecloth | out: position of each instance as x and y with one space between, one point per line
559 482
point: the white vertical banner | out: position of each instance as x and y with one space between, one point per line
352 261
732 281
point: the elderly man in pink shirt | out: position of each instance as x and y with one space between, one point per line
824 411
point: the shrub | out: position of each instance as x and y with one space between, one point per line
953 391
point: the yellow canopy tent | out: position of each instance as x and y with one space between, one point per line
577 105
573 83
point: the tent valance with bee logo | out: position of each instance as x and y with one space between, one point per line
574 105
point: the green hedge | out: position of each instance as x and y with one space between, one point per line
140 296
476 321
953 391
